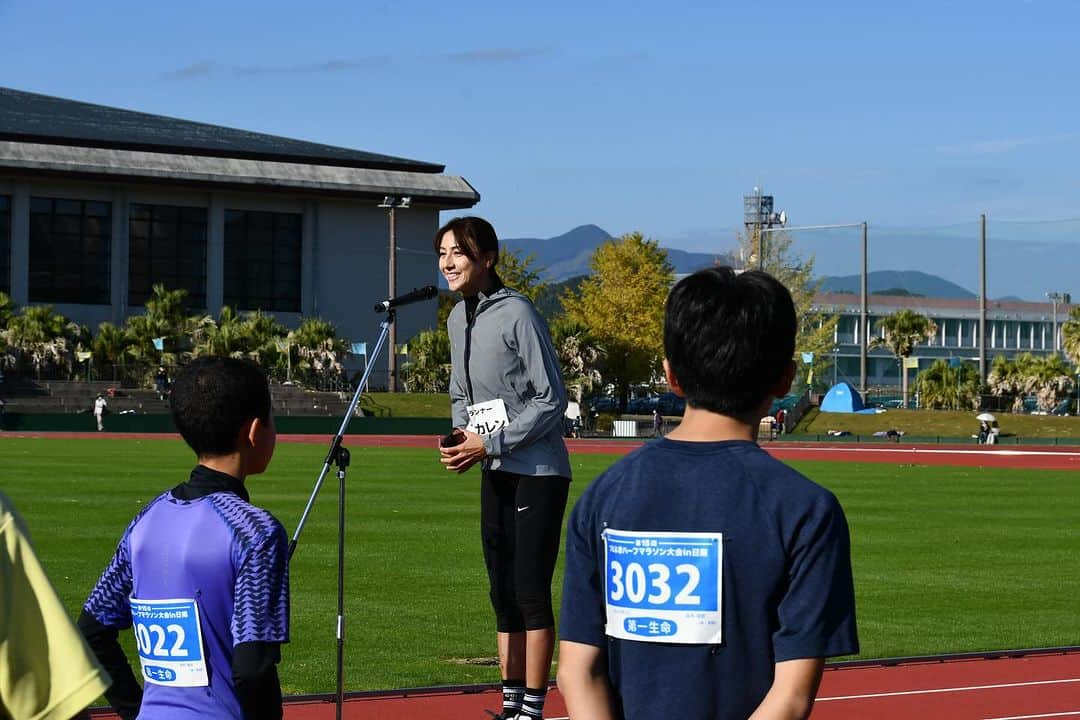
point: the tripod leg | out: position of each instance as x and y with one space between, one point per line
342 463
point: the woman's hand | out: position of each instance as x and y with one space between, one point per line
465 454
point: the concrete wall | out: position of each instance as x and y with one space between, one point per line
345 252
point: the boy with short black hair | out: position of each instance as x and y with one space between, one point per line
704 579
201 573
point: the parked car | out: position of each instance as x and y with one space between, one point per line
671 404
604 403
641 405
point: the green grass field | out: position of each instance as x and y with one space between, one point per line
946 559
942 423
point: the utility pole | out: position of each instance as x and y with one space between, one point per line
864 326
982 298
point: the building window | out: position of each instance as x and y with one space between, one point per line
5 244
262 260
70 251
168 246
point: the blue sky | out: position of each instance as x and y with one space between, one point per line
655 118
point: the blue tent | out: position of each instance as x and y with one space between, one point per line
842 398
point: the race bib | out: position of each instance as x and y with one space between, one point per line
663 586
169 638
487 417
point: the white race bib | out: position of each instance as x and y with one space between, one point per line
663 586
170 643
487 417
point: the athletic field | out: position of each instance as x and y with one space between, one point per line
946 559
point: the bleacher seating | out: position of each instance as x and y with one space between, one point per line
78 397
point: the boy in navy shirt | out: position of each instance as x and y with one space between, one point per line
704 579
201 573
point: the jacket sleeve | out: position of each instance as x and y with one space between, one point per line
458 394
544 395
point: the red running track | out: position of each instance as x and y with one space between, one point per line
1041 457
1043 685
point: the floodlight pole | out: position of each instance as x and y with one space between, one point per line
392 204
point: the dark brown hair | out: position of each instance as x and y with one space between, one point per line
475 236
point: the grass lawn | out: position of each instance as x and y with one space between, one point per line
406 405
946 559
943 423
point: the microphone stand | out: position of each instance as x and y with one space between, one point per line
339 456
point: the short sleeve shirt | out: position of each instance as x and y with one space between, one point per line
787 590
231 558
46 670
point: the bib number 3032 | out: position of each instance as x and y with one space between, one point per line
169 639
663 586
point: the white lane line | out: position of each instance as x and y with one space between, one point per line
1044 715
965 688
901 449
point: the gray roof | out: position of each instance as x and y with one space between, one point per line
32 118
447 191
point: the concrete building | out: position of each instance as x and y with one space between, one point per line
97 204
1012 327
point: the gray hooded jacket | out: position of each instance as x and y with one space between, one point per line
506 352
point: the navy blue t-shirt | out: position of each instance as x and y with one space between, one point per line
781 587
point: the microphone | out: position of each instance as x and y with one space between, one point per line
425 293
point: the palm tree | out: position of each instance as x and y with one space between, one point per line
166 319
428 369
580 355
943 386
109 347
901 332
1047 378
7 310
1070 335
319 351
40 335
1053 381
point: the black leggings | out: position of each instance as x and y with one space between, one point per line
520 526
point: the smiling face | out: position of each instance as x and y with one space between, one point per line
463 274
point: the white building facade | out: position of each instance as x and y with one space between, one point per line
1012 327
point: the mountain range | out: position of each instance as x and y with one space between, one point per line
567 256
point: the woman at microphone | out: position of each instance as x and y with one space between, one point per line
508 400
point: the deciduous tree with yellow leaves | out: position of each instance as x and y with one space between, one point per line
622 304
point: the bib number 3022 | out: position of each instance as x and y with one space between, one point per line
663 586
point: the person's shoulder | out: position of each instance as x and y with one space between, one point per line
247 519
457 313
789 489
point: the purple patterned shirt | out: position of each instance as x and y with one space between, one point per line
231 558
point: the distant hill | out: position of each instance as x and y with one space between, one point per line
911 282
565 256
